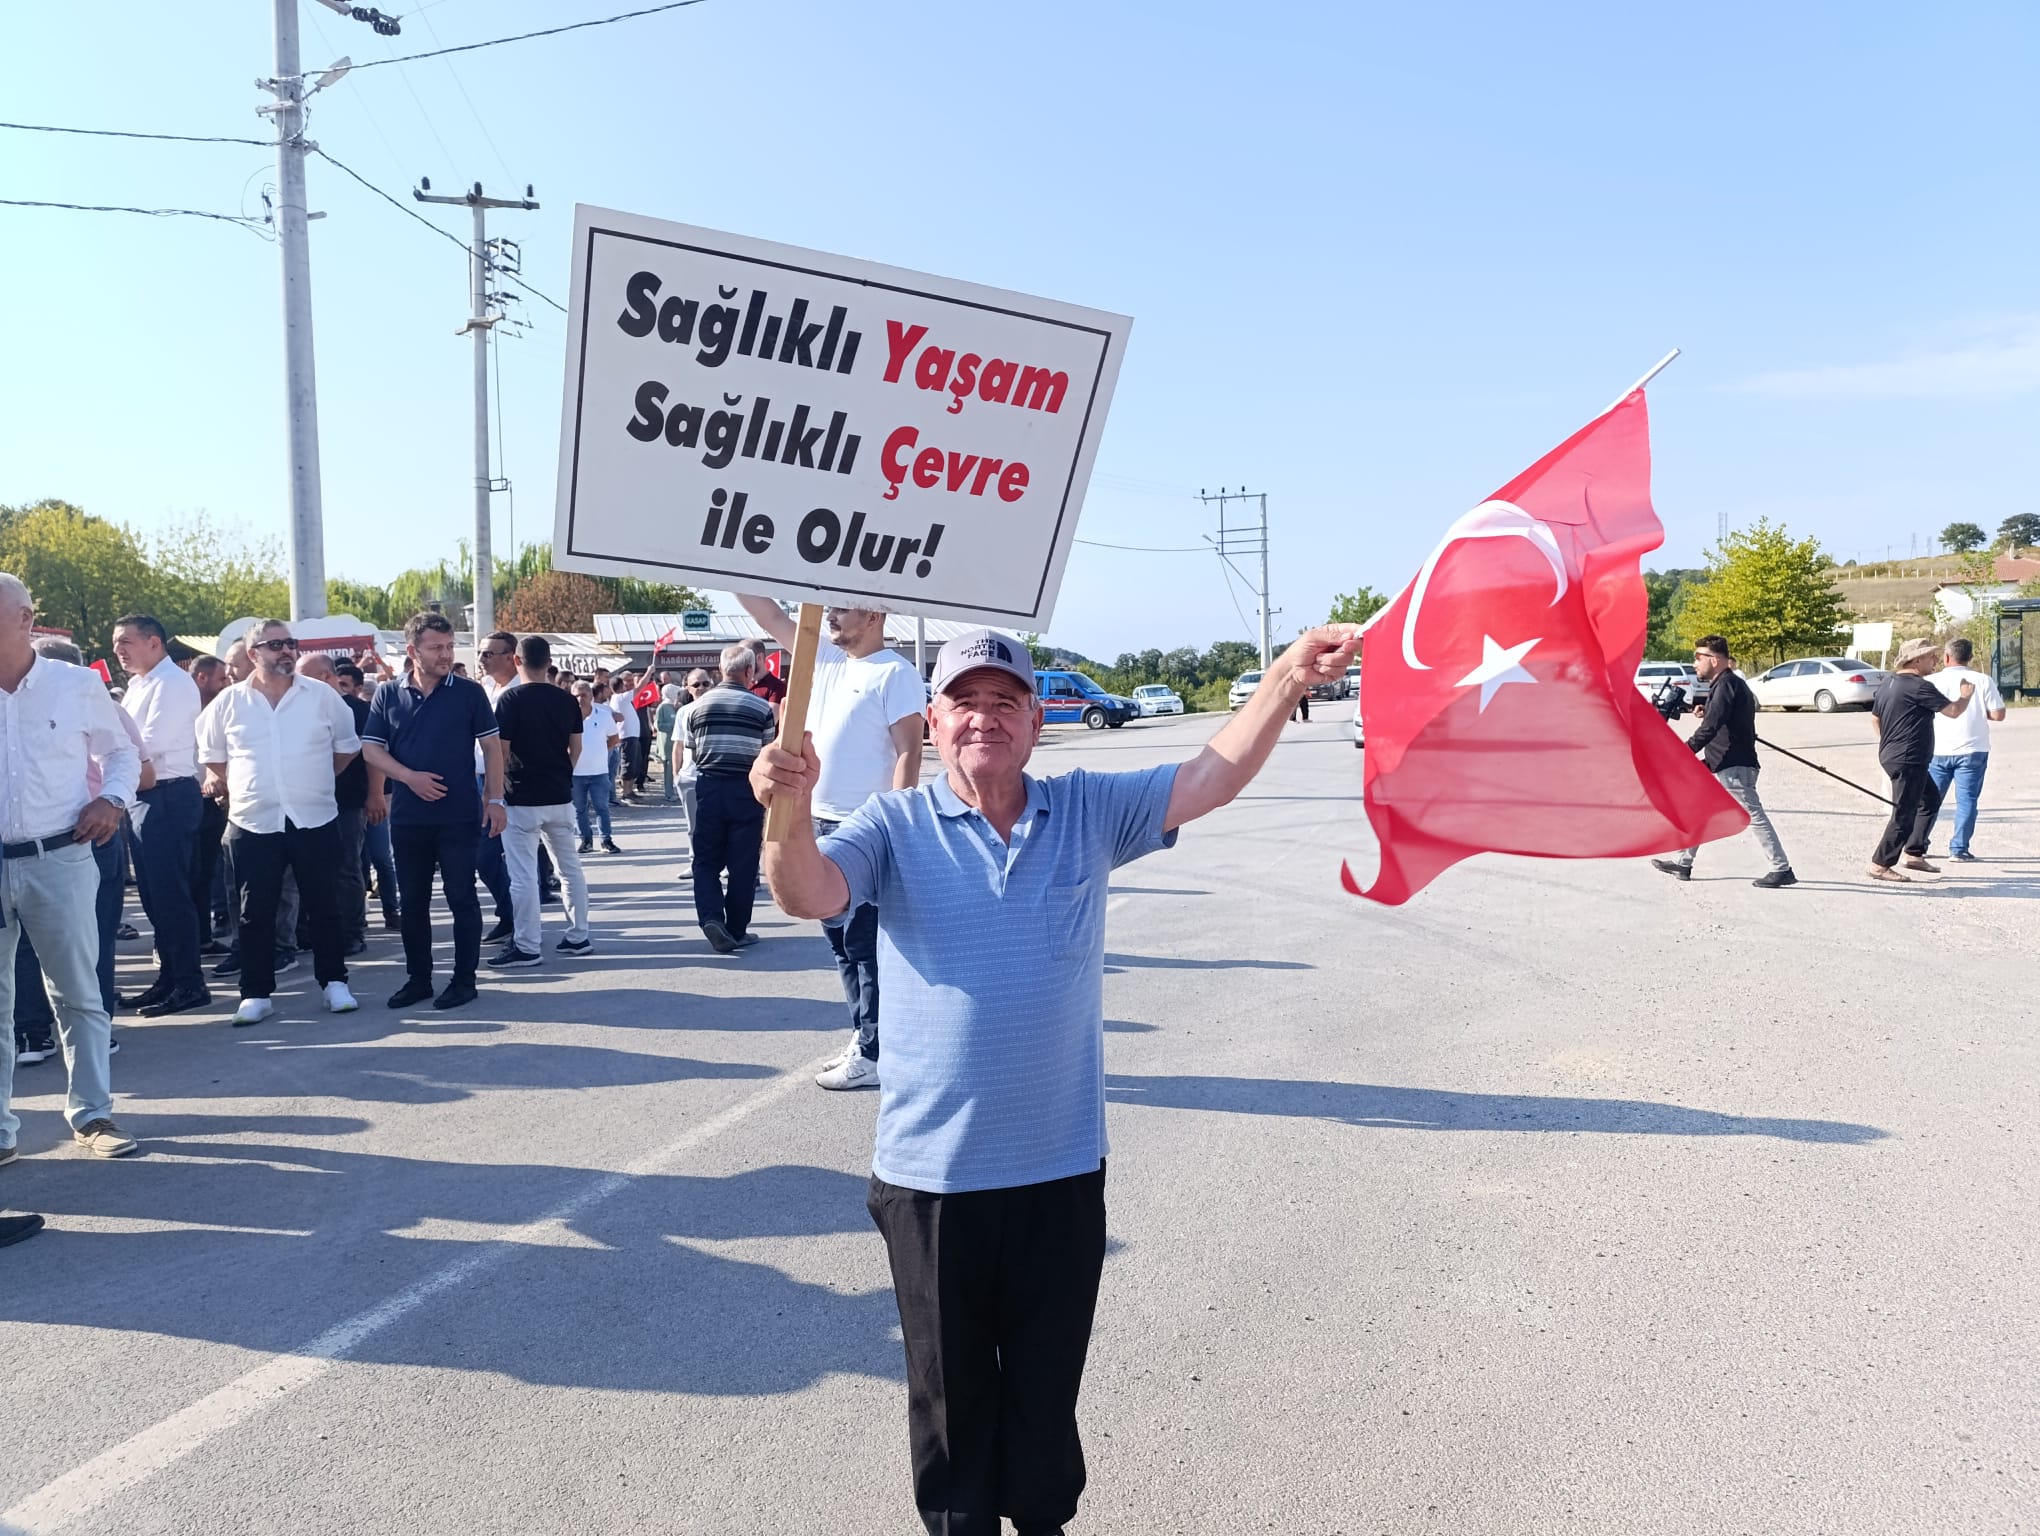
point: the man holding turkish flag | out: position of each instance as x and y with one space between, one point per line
1500 708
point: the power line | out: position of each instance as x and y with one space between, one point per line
115 133
521 37
253 226
1151 549
406 210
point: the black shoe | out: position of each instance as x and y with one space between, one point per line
511 958
1964 857
112 1043
18 1229
411 992
231 966
33 1053
504 929
1673 868
182 1000
286 960
355 946
129 931
745 940
569 947
720 938
610 847
586 845
1775 880
150 995
211 949
392 924
457 994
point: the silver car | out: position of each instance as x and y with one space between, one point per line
1158 699
1242 689
1822 682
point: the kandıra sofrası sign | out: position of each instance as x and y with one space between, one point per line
752 417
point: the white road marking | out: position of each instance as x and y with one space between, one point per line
1117 902
86 1489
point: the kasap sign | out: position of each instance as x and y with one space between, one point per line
757 418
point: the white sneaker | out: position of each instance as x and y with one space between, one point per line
849 1048
253 1010
856 1070
339 999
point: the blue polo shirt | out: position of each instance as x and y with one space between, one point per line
433 732
991 960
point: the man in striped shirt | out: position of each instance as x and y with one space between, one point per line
725 728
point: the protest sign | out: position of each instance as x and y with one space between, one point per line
758 418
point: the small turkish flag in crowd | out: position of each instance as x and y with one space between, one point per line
1500 706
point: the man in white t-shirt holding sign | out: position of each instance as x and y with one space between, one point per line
865 712
1962 745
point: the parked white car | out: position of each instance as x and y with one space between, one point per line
1359 729
1823 682
1158 699
1352 687
1653 675
1242 689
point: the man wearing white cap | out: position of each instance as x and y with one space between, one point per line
988 1183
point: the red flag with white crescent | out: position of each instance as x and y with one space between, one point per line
1500 707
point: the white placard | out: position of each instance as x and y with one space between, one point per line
754 417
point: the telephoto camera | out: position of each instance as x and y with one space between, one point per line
1670 699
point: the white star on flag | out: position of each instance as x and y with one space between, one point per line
1498 666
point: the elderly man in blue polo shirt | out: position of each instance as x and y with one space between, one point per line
989 1178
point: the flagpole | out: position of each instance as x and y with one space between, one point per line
1657 368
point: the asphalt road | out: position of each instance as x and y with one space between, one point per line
1565 1199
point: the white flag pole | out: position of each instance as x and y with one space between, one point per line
1657 368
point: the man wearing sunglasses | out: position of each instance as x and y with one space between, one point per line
278 741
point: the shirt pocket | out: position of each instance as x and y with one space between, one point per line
1070 917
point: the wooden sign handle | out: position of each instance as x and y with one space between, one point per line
807 640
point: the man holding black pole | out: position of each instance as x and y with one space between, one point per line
1905 711
1727 742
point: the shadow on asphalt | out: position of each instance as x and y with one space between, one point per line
1431 1109
618 1300
1116 963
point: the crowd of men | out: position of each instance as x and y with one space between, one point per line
262 803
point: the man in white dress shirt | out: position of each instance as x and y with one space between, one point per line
278 740
56 722
164 703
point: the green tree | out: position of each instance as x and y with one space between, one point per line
1961 538
83 571
2020 530
1357 606
1667 592
369 604
208 576
1769 593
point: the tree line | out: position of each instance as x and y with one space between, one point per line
198 577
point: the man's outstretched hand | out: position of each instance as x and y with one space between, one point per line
778 772
1319 655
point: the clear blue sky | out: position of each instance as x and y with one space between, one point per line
1378 257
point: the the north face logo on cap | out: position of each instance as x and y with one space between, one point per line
989 648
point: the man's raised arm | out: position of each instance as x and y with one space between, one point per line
804 881
1230 759
771 618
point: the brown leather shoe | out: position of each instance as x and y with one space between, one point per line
102 1138
1879 872
1914 861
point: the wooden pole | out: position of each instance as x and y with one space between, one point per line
807 640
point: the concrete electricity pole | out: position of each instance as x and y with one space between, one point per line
482 318
1245 540
300 391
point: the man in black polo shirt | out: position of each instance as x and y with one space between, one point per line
421 735
541 729
1727 742
1904 713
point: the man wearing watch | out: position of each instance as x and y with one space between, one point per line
421 736
56 725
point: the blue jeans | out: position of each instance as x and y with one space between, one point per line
489 865
591 804
166 849
854 938
1965 772
375 854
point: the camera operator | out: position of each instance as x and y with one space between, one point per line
1727 742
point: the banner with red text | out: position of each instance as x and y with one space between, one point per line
754 417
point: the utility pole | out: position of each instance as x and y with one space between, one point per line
1245 540
483 314
300 389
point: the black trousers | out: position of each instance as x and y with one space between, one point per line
729 828
212 827
165 848
313 854
996 1291
1915 802
351 893
449 848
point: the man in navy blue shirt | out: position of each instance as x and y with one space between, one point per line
421 736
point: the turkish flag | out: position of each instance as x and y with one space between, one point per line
1499 699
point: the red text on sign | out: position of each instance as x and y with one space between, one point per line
996 382
931 468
